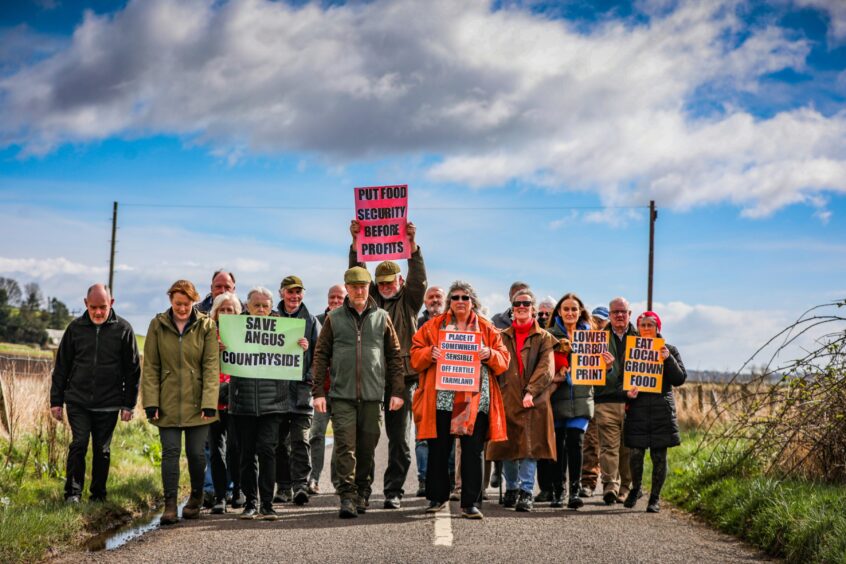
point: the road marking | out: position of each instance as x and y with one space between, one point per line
443 527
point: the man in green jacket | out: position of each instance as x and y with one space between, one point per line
359 345
402 299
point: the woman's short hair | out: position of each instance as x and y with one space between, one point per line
260 290
468 289
184 287
218 303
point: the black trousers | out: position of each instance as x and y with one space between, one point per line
99 426
552 473
258 437
225 461
472 461
293 452
399 450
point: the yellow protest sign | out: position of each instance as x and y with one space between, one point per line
588 366
643 366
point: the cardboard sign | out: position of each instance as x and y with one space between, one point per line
588 367
382 212
459 367
262 347
643 366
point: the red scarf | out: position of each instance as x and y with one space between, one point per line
521 332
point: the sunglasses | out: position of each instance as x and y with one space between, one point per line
521 303
464 298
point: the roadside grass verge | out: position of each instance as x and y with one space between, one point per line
35 523
14 349
798 520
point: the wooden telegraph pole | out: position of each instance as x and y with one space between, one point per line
653 215
112 254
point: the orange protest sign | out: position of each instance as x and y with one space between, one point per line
643 366
459 366
588 366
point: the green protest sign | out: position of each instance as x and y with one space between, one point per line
262 347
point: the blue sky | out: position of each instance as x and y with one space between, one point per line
532 136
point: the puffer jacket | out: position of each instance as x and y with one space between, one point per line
299 393
651 418
181 375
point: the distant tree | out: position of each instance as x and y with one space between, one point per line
13 291
5 312
58 314
33 299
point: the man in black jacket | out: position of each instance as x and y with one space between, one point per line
96 376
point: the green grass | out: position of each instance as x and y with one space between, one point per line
24 350
139 339
34 520
795 519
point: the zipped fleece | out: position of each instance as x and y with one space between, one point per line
97 366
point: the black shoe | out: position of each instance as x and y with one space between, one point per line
283 495
249 512
524 502
495 480
392 502
301 497
471 512
631 499
545 496
421 488
266 513
435 506
238 501
653 506
208 500
609 497
73 500
510 498
361 505
348 510
219 506
575 501
557 500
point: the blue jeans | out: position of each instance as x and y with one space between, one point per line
520 474
421 451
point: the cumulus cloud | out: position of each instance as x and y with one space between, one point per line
493 95
51 267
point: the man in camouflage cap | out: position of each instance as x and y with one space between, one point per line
402 299
359 345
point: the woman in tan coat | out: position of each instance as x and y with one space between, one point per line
180 384
525 394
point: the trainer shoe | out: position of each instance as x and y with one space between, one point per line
313 487
435 506
471 512
249 512
392 502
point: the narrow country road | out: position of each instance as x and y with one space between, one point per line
314 533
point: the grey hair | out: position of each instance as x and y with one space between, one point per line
465 287
526 292
516 287
218 303
548 301
620 299
260 290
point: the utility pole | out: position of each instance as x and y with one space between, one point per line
112 254
653 215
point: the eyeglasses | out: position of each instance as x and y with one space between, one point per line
569 309
463 298
543 314
521 303
619 312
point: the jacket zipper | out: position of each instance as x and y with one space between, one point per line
179 410
96 357
358 355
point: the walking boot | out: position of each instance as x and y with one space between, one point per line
169 517
557 499
575 501
192 508
653 506
510 498
545 496
524 501
631 499
421 488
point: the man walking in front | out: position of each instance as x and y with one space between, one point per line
359 344
96 378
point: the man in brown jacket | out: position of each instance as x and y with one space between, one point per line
402 299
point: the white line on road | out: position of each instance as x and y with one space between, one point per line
443 527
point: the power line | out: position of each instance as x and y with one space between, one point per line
347 208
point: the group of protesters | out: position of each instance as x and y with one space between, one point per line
370 354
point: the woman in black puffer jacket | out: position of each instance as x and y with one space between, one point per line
651 419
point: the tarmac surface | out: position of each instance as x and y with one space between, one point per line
314 533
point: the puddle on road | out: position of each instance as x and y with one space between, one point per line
119 536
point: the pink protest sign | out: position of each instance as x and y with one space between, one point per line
382 212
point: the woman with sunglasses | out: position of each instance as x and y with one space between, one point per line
474 417
651 418
525 393
572 406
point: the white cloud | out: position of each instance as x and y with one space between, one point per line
51 267
499 95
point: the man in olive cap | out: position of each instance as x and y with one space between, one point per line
359 345
293 458
402 299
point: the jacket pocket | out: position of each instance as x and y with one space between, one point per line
303 396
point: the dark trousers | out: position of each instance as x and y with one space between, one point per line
659 469
258 437
99 425
223 446
399 451
195 447
552 473
356 425
293 453
472 461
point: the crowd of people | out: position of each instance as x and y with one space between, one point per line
253 442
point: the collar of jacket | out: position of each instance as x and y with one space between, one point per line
395 297
371 304
301 313
85 319
533 330
167 320
630 330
